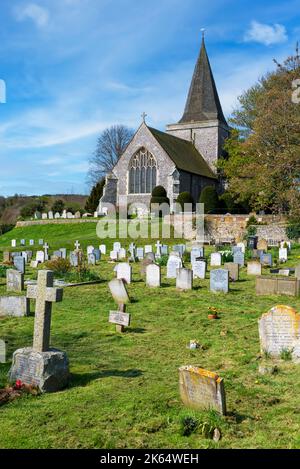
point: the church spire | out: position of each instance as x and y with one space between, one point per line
203 103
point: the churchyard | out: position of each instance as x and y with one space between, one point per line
124 387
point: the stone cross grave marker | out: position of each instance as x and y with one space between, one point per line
158 249
119 293
14 281
77 245
201 389
219 281
45 294
46 251
40 366
279 330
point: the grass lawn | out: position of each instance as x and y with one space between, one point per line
124 388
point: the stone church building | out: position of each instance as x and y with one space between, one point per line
181 159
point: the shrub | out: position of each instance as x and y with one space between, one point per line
163 261
58 206
6 228
210 199
159 196
293 231
184 198
188 426
252 221
59 266
3 270
93 200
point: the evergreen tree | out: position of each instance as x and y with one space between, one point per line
95 196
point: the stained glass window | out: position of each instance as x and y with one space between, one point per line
142 173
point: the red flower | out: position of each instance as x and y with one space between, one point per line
18 384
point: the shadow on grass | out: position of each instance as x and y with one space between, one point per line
78 380
136 330
238 418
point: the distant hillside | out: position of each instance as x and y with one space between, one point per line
10 207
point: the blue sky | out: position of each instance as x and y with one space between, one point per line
74 67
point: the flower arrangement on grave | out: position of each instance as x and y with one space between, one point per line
10 393
213 313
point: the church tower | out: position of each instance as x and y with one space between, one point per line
203 122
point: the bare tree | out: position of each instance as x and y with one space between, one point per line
110 147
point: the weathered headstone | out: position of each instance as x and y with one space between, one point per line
239 258
40 366
90 250
6 257
140 253
40 257
297 272
97 254
14 281
242 246
117 246
13 243
41 242
199 269
216 259
103 249
114 256
63 253
277 286
15 306
148 249
184 279
153 276
31 242
262 245
201 389
2 351
284 272
122 254
174 263
19 263
279 331
144 264
120 295
219 281
124 272
234 271
74 259
91 259
254 268
266 260
164 250
196 253
283 254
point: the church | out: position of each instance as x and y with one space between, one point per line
181 159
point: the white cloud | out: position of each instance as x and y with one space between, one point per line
266 34
38 14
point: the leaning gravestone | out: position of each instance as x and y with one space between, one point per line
279 330
234 271
153 276
14 281
14 306
41 366
199 269
201 389
219 281
184 279
120 295
174 263
254 268
91 259
19 263
216 259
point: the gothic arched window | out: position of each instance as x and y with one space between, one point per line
142 173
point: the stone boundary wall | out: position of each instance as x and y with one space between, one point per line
70 221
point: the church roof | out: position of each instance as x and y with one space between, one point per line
183 153
203 102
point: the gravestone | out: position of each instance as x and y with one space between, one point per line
40 257
122 254
117 246
140 253
77 215
50 215
297 272
103 249
63 253
57 255
199 269
196 253
150 256
44 216
216 259
31 242
262 245
57 216
23 242
14 306
164 250
153 276
91 259
254 268
6 257
41 242
46 251
234 271
266 260
13 243
97 254
34 264
284 272
148 249
201 389
90 250
40 366
252 242
236 249
242 246
14 281
124 272
184 279
74 259
19 263
158 249
2 351
283 254
277 286
144 265
219 281
239 258
114 256
279 330
119 293
174 263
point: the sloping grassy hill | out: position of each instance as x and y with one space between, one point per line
124 388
